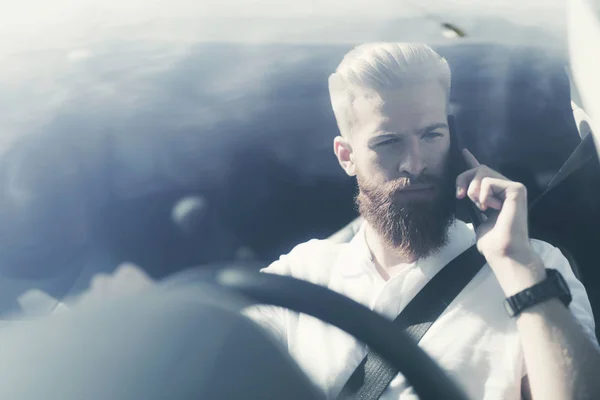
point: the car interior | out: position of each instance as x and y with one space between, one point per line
516 115
174 158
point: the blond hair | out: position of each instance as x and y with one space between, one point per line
383 66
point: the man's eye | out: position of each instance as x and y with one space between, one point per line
432 135
388 142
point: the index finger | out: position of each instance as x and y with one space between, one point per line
470 159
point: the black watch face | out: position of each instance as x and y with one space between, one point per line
561 285
553 286
560 282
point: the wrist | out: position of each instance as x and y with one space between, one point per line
522 253
515 274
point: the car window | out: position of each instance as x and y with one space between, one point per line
228 106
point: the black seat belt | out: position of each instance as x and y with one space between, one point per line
373 375
579 158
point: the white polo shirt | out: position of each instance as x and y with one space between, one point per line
474 340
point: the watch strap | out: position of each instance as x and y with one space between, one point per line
554 286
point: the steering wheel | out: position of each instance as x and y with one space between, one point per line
380 334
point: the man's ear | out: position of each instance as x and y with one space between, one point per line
344 154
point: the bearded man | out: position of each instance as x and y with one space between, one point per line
391 103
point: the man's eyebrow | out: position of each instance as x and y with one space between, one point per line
393 135
433 127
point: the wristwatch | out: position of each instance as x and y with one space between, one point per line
553 286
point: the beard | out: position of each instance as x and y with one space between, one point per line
416 228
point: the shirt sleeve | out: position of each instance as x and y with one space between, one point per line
580 305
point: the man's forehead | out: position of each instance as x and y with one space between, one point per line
404 109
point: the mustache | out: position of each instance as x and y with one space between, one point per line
409 182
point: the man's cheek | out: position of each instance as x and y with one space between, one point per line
379 167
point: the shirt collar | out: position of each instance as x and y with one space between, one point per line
356 260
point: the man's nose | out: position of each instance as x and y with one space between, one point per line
412 163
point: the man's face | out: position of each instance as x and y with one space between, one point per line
398 149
